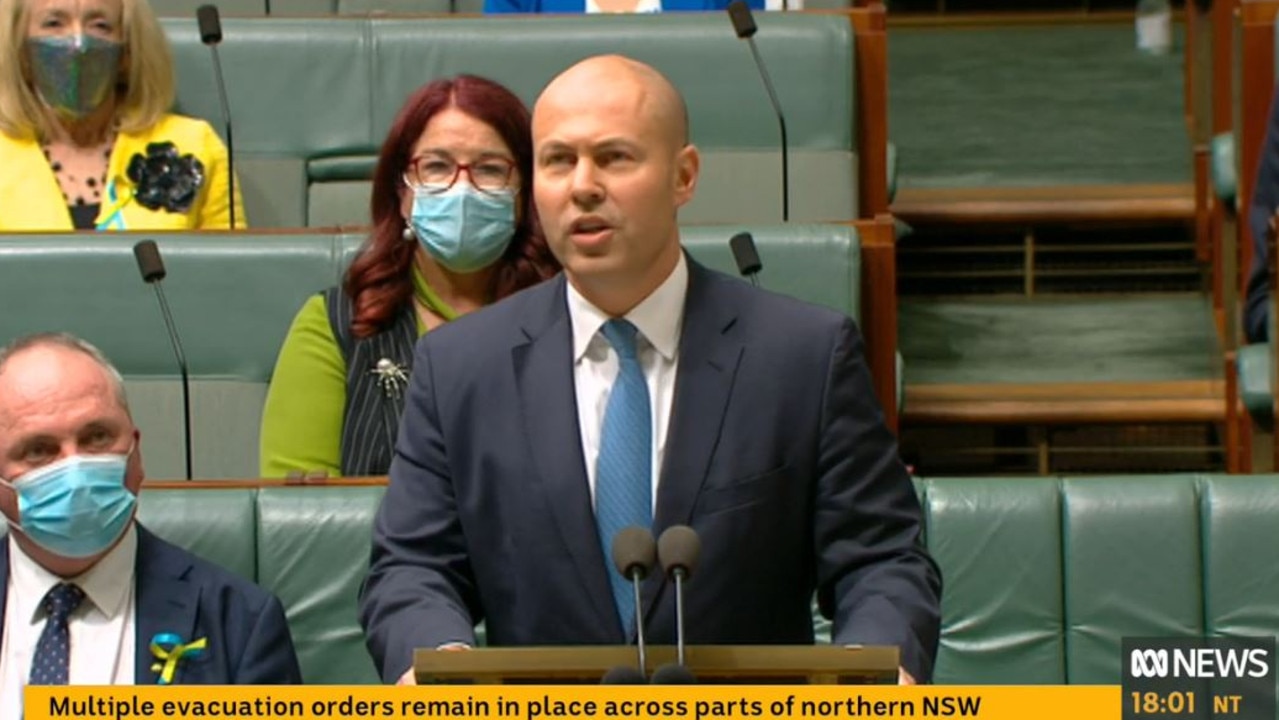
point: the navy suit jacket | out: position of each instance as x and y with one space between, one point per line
177 592
777 455
1264 202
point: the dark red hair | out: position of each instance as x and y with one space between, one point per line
379 281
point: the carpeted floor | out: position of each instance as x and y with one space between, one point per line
1026 340
1034 105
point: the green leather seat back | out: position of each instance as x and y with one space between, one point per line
1254 366
233 298
313 552
297 89
820 264
1241 578
999 545
308 128
1132 567
218 525
186 8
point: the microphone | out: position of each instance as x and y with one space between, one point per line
211 35
678 548
634 555
624 675
151 266
747 258
744 25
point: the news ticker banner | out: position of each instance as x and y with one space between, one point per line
578 702
1161 677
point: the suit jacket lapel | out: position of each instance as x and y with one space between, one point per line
544 378
4 581
708 358
167 602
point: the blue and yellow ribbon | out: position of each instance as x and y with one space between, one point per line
168 649
112 215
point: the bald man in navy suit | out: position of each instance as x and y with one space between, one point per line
766 436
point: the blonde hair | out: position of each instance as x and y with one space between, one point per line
144 94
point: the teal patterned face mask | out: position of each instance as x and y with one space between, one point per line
74 74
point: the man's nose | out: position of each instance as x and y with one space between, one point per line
586 186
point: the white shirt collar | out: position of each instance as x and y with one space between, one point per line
105 585
658 316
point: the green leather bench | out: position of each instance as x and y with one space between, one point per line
235 295
312 98
286 8
1042 576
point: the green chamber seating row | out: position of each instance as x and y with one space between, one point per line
311 100
1043 576
285 8
235 295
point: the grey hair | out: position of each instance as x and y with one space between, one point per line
69 342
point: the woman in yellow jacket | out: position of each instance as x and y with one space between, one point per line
86 139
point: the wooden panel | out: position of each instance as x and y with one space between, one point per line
260 483
871 129
879 309
1066 403
1094 203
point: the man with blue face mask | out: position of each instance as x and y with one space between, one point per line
87 590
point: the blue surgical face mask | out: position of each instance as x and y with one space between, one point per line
76 507
463 229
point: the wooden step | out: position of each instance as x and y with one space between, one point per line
1155 203
1066 403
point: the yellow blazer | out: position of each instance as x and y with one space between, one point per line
31 199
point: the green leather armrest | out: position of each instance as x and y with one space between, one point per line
1254 365
1225 181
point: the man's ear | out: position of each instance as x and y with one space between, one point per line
134 472
688 165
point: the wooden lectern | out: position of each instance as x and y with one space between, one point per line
799 664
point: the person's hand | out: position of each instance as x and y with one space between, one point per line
903 677
408 678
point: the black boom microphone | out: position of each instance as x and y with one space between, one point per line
679 549
152 268
211 34
746 257
744 25
634 555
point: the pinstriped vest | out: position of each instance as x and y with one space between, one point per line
372 416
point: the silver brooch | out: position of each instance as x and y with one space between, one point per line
391 377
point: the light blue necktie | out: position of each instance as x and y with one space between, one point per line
623 472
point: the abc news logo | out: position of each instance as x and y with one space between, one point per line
1201 662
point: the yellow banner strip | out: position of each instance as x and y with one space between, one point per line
581 702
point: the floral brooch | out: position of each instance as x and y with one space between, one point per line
163 179
169 650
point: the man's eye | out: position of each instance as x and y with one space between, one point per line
37 455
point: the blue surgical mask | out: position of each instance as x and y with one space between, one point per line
76 507
463 229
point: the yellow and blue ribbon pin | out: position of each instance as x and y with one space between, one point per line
168 649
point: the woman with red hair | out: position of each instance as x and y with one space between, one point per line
454 229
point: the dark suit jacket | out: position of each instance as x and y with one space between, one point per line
777 455
177 592
1264 201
